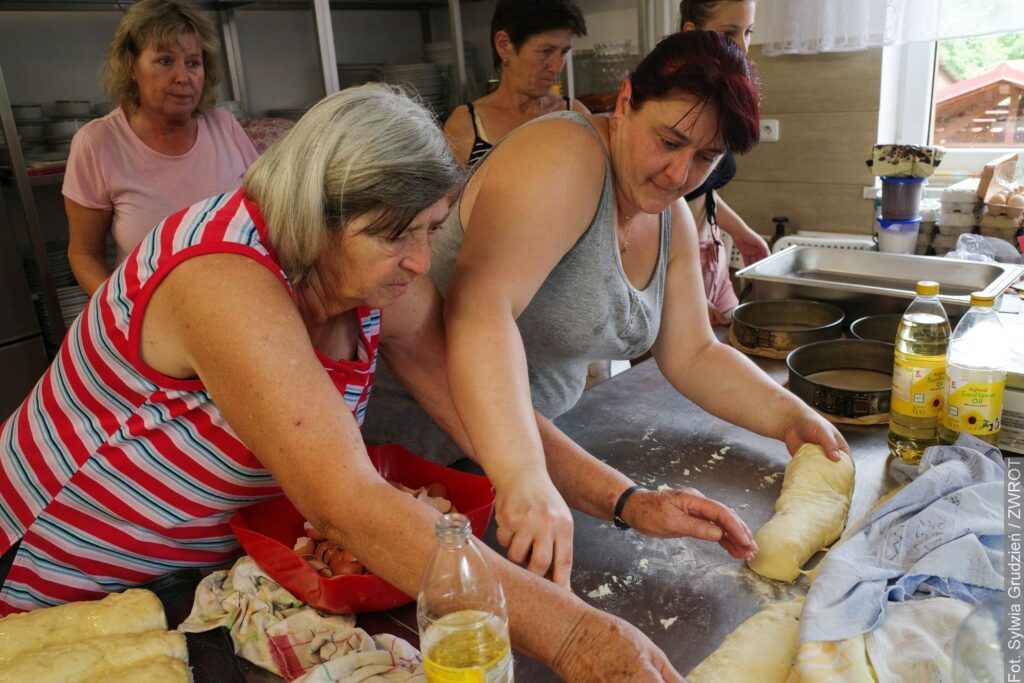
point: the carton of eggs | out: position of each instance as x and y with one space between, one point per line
1009 202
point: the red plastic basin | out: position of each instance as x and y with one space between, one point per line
267 531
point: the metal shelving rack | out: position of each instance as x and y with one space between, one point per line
225 11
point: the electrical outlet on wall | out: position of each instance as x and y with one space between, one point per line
769 130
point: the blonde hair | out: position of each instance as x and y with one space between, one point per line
365 149
159 23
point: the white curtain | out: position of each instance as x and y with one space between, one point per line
809 26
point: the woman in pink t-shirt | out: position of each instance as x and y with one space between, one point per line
163 148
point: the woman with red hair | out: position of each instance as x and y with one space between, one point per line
571 244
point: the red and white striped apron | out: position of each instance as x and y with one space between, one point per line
112 474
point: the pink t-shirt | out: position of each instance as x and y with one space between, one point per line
111 169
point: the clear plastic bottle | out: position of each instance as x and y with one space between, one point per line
975 374
918 375
463 622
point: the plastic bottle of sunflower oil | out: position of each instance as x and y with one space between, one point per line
975 374
918 375
463 622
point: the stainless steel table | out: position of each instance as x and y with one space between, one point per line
687 596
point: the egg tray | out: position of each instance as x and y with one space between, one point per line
1004 210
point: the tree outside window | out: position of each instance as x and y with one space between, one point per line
978 96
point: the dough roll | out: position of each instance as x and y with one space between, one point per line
809 514
93 659
761 649
156 670
133 611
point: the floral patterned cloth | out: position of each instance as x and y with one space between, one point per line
275 630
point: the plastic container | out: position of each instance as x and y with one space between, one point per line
901 198
918 375
267 531
460 610
976 362
898 236
977 647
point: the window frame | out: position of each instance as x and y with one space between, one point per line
905 109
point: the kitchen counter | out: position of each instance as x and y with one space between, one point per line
686 595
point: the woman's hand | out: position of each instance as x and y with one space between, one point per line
717 317
534 522
751 246
811 427
687 512
601 648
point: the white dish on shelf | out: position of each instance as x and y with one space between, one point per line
72 108
64 128
27 112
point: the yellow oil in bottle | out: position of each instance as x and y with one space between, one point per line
916 408
465 646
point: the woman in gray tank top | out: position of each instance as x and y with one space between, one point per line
571 243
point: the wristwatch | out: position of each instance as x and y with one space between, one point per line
617 517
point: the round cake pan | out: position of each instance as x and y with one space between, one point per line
877 327
843 377
785 324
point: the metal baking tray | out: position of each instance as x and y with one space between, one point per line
869 282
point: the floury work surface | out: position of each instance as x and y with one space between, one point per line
687 596
868 282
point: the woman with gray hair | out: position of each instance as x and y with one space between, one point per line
163 147
229 359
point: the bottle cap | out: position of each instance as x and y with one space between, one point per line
928 287
981 299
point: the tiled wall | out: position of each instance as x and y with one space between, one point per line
827 108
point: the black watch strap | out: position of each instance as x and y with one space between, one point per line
617 518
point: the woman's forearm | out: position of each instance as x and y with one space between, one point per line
725 383
488 379
89 268
586 483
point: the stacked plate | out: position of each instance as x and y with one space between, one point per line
442 53
357 73
70 296
423 79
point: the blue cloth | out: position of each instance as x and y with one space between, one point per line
941 535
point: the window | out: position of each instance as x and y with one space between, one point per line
978 92
966 95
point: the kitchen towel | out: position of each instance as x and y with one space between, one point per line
940 535
275 630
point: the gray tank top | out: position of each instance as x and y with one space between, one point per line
586 310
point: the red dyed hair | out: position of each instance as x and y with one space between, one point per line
710 67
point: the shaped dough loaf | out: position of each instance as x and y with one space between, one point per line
94 659
810 513
133 611
761 649
156 670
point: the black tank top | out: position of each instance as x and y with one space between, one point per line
481 146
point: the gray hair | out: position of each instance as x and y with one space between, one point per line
159 23
365 149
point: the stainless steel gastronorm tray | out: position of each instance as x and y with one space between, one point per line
869 282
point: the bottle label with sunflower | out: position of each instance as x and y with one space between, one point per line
917 385
974 407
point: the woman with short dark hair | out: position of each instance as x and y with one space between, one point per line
529 42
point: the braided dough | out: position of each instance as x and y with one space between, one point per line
761 649
809 514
